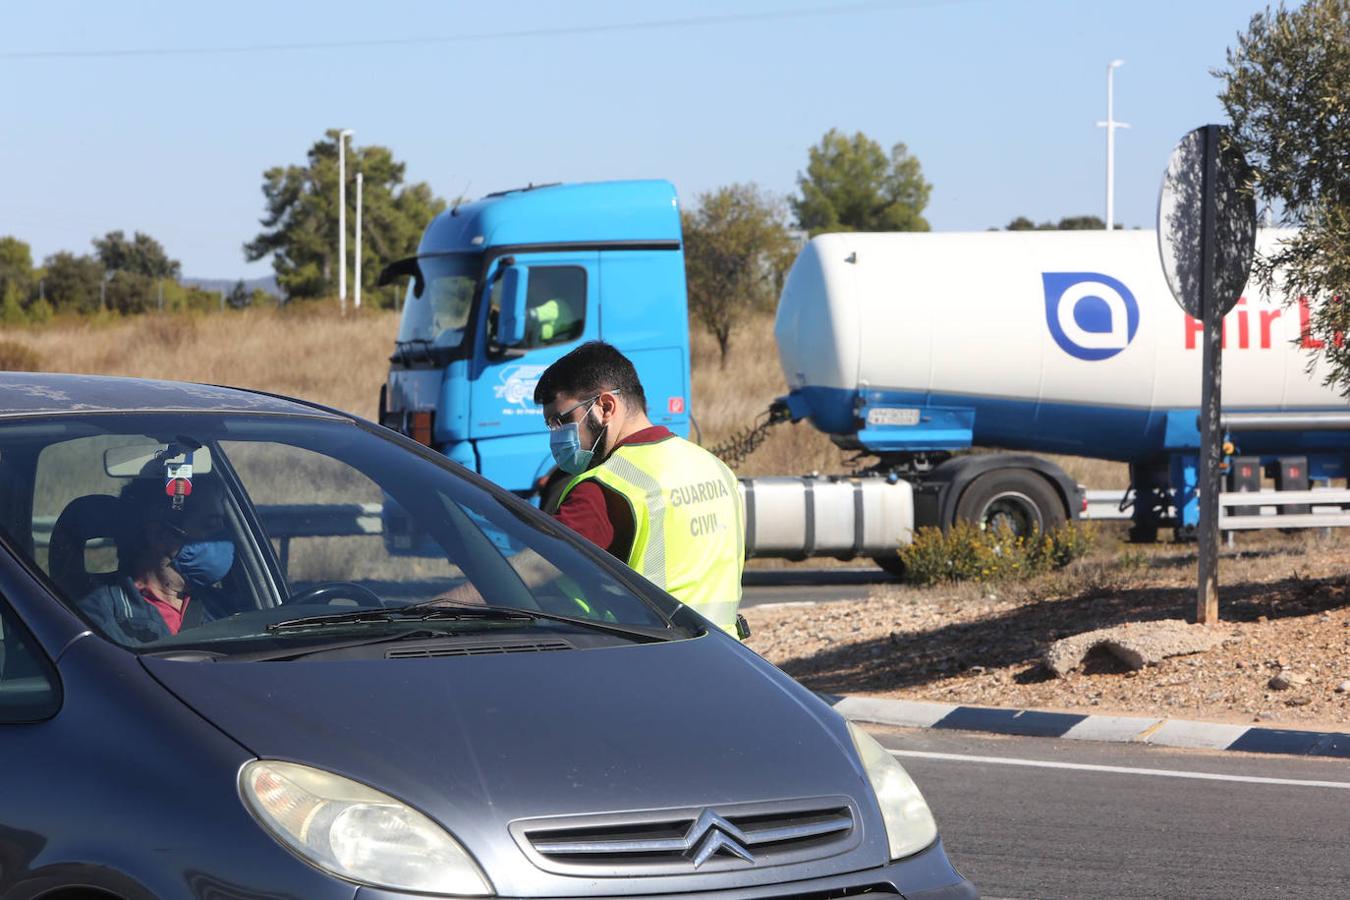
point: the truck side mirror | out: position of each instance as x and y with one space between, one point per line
511 319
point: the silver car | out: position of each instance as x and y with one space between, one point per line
258 648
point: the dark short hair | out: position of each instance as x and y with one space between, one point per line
588 370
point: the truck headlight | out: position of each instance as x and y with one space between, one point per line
909 822
356 832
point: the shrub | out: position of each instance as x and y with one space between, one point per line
17 357
966 552
40 312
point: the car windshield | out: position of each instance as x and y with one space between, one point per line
436 317
241 534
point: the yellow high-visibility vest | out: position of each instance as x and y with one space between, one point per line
689 522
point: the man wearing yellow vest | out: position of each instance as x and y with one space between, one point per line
667 507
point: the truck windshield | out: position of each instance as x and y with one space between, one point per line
437 317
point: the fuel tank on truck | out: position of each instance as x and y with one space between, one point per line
1065 342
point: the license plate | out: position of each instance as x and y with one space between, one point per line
885 415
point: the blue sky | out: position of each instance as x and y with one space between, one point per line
997 98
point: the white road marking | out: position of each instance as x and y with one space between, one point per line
1121 770
785 604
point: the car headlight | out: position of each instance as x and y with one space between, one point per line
909 822
356 832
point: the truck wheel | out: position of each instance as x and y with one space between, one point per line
891 563
1018 499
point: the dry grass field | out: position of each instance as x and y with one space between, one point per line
309 353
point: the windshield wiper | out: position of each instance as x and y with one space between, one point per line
438 609
414 613
638 632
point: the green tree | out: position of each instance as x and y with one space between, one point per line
16 270
737 248
72 282
141 255
1068 223
1286 89
129 293
851 185
11 308
300 226
239 296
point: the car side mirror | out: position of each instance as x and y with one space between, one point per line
511 319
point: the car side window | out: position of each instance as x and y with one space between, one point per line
555 305
29 690
324 520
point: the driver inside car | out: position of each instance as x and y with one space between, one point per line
168 563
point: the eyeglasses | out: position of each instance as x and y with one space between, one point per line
563 418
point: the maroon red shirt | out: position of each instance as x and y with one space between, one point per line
172 617
601 515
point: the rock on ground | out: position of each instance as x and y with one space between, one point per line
1136 644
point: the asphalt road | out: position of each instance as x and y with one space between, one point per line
1020 828
802 585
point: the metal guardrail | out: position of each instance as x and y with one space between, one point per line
281 521
1327 508
1105 506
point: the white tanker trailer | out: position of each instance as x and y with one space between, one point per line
914 347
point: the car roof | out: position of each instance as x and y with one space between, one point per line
40 393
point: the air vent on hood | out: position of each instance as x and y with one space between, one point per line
728 837
456 648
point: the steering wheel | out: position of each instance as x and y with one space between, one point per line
335 590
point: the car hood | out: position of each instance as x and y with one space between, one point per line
479 741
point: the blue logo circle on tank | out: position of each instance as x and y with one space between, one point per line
1091 316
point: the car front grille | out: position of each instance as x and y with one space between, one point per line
697 839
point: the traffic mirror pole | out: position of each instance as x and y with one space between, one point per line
1211 363
1206 239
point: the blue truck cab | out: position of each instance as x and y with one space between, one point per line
502 287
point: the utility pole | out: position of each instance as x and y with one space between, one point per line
360 180
342 217
1111 125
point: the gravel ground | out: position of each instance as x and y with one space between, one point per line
1284 604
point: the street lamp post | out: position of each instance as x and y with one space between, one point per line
360 179
342 216
1111 125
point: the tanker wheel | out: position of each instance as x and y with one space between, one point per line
891 564
1017 499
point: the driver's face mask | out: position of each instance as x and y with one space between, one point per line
204 562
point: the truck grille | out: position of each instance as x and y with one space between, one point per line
698 839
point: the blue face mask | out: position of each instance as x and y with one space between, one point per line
204 562
565 444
